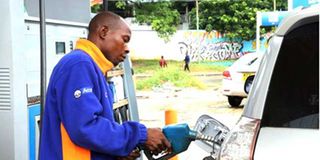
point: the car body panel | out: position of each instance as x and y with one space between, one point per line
287 143
233 88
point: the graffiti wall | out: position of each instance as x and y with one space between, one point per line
200 46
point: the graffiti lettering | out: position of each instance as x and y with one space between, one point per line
211 51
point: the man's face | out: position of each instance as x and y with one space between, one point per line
115 46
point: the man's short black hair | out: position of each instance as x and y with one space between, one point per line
104 18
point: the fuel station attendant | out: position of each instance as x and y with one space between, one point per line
78 121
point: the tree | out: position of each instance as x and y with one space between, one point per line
236 19
161 15
122 8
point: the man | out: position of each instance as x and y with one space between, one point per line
78 122
186 62
162 62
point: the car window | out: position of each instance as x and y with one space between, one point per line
293 95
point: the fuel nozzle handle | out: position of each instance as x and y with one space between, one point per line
180 137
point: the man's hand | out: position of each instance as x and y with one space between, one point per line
156 141
132 156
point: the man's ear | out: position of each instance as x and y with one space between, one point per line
103 32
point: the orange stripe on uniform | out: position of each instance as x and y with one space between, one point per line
71 151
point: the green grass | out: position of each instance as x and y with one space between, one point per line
174 73
170 74
148 66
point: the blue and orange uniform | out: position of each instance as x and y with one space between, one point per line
78 121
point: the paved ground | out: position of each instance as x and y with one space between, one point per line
190 103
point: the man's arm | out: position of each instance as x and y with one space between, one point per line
83 117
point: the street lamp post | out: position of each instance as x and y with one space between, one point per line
105 5
197 14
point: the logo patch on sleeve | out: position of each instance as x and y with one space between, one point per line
86 90
79 92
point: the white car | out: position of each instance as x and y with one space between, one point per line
281 118
235 77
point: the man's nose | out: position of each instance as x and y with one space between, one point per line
126 49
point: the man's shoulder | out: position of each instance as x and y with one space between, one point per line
74 57
77 55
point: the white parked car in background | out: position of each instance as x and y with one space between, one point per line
280 120
235 77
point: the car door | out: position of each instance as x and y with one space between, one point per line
290 120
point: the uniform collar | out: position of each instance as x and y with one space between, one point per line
95 53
